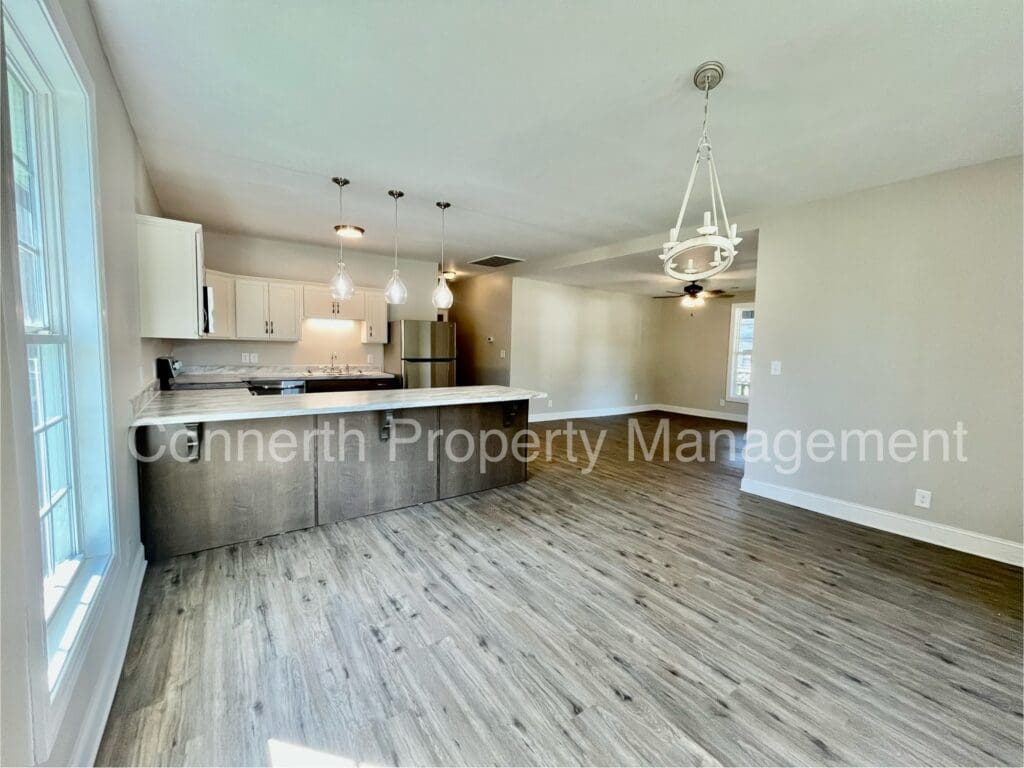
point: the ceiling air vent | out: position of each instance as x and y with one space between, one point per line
496 261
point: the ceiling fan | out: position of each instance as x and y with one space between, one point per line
695 293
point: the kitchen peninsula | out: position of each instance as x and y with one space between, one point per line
217 467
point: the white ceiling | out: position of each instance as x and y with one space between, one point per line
552 127
641 272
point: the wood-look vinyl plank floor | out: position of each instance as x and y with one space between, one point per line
647 613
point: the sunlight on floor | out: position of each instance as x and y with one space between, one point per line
285 755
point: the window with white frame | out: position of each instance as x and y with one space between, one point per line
741 350
58 263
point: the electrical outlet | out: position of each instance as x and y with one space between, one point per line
253 357
776 368
922 498
502 354
550 403
245 357
636 397
369 359
721 402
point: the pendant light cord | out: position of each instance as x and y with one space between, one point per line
396 232
341 222
442 242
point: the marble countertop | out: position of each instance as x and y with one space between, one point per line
231 374
234 405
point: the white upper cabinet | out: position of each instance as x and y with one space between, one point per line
170 278
318 302
354 308
284 311
375 325
251 321
222 314
267 310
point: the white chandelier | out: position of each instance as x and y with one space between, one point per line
709 252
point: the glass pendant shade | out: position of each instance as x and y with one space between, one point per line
442 296
395 291
342 286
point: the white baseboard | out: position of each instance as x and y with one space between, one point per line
702 412
591 413
91 733
1003 550
594 413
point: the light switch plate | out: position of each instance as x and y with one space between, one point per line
245 357
502 354
776 368
922 498
253 357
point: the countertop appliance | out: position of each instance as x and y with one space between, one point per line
166 369
421 353
277 386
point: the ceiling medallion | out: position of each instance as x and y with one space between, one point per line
709 252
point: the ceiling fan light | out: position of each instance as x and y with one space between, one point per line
349 231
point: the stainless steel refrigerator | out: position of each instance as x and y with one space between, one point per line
421 352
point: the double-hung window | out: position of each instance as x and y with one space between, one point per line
60 296
47 344
741 350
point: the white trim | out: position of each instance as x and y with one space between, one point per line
590 413
619 410
91 730
702 412
1003 550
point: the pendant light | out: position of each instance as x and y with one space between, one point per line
709 252
342 286
395 291
442 296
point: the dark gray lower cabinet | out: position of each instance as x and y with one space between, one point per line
490 426
375 461
234 491
224 482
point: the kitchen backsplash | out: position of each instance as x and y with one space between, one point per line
320 338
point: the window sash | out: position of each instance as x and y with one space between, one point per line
42 265
741 350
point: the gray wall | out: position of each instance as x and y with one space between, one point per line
692 354
261 257
588 349
482 309
900 307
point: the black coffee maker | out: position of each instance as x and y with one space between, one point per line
166 369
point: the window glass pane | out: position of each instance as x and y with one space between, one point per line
20 106
41 489
34 296
35 384
58 458
47 382
63 531
46 542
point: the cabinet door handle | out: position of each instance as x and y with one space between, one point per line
271 327
266 326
